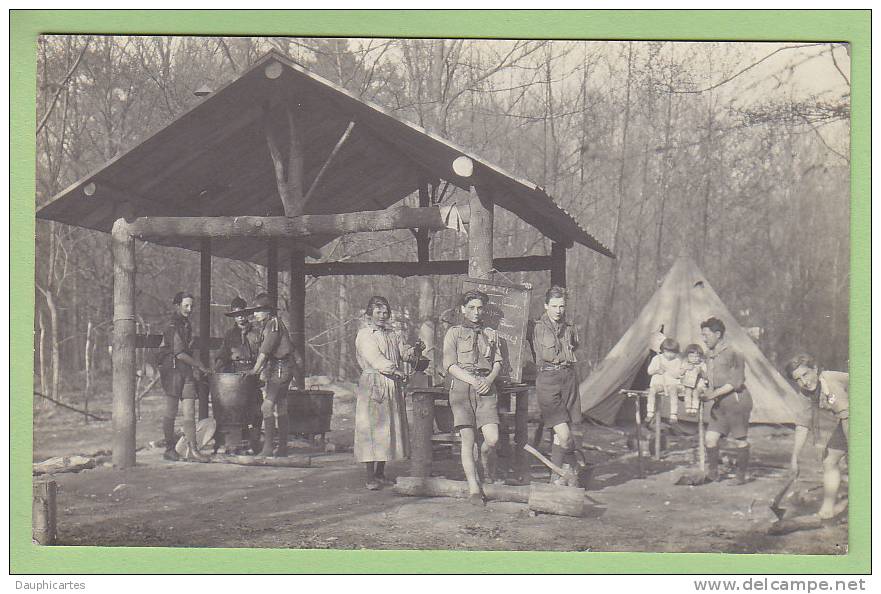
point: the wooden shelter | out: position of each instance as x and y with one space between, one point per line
270 168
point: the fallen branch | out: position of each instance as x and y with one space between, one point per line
295 461
82 412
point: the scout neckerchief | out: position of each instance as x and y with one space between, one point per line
244 338
476 328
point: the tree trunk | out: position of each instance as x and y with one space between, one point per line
343 316
608 308
42 352
54 339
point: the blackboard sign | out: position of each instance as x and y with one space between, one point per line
508 314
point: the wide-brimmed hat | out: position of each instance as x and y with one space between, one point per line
263 302
238 307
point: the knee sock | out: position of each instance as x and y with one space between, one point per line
268 435
282 436
742 463
558 453
168 432
713 462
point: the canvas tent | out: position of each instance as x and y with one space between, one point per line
683 301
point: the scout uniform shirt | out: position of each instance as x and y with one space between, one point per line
555 344
240 348
473 347
832 394
275 342
176 340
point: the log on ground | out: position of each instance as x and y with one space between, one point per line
294 461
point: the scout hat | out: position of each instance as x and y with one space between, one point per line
237 307
263 302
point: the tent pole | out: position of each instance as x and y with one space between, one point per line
558 264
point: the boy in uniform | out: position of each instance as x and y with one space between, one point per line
822 390
275 360
176 363
238 353
732 402
556 383
473 360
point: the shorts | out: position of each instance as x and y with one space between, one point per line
471 409
278 376
557 395
730 415
838 440
177 383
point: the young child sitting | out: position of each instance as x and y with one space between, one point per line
694 377
665 370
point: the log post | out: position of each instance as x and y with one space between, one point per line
123 249
297 316
558 264
204 320
427 326
272 270
43 519
421 428
480 234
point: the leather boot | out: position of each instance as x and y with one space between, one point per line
268 437
742 464
168 432
713 463
282 450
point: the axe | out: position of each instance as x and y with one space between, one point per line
775 503
570 476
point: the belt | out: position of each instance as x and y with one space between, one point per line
555 366
479 371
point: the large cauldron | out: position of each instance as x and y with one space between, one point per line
310 411
229 397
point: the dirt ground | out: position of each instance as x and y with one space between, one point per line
160 503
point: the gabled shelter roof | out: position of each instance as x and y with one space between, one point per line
213 160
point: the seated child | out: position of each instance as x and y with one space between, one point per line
665 370
694 377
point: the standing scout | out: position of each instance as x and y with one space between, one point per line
241 343
556 385
732 402
822 390
473 359
176 363
275 360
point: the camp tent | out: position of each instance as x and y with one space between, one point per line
683 301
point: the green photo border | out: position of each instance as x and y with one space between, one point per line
853 27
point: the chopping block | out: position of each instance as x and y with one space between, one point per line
540 497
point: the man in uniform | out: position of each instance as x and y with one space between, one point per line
176 363
473 360
732 402
275 361
556 385
238 355
822 390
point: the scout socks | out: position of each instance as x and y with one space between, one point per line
713 463
168 432
268 436
742 463
282 450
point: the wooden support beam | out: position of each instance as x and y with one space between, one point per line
292 227
272 270
204 318
558 264
123 357
435 267
288 171
480 233
330 159
297 316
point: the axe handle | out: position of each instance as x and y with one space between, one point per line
544 460
701 452
776 502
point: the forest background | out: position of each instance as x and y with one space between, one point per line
736 154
